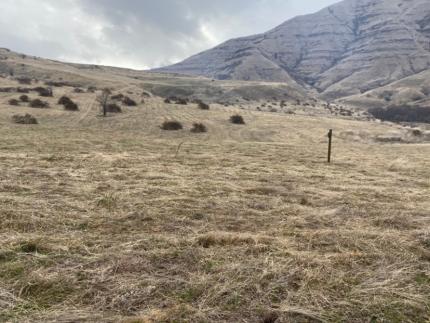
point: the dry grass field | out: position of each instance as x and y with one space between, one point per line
115 220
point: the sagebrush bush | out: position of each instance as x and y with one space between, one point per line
64 100
45 92
203 106
172 125
22 90
71 106
128 102
68 104
417 132
167 100
181 101
36 103
24 80
13 102
237 119
199 128
118 96
113 108
402 113
24 98
24 119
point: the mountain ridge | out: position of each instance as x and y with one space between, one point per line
346 49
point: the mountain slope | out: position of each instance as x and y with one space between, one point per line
346 49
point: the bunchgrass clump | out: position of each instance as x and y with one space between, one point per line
108 201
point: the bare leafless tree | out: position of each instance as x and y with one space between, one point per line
103 99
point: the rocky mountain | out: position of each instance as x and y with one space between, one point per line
346 49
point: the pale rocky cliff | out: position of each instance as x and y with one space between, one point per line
346 49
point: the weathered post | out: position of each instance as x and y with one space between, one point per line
330 137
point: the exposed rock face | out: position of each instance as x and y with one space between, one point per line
346 49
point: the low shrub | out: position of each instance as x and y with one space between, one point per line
417 132
203 106
22 90
64 100
129 102
7 89
24 119
113 108
402 113
181 101
36 103
78 90
14 102
171 125
24 80
24 98
167 100
118 96
71 106
45 92
199 128
237 119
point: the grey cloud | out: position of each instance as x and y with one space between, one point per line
136 33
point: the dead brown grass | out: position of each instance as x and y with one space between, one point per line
103 221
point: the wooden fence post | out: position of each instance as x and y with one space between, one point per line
330 136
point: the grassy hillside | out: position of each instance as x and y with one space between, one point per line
115 220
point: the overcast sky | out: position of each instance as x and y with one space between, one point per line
139 34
